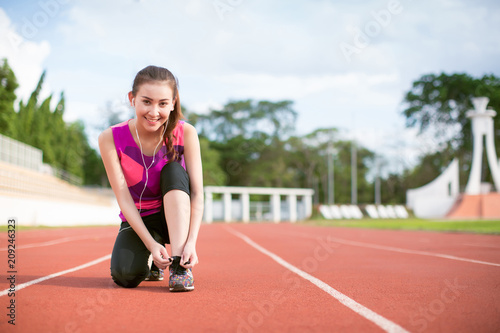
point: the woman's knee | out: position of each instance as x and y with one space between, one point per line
128 278
174 177
128 271
129 260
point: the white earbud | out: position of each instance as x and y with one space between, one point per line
133 100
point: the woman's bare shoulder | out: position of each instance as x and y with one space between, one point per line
106 136
189 129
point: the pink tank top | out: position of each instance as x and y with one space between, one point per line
134 171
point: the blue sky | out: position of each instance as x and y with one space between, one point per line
344 64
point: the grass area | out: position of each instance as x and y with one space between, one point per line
481 226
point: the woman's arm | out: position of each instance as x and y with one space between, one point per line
124 199
192 156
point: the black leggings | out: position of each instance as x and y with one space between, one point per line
129 260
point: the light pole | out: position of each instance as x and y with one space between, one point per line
377 181
331 170
354 172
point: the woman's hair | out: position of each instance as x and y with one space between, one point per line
160 74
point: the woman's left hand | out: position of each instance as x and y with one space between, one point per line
189 255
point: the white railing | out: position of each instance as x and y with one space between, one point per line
64 175
293 208
20 154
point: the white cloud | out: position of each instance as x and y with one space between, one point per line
262 50
295 87
25 57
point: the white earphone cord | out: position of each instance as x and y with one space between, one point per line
144 162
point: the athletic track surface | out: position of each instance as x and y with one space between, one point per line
262 278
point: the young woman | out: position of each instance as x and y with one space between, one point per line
153 164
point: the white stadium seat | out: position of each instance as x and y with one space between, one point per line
390 211
382 212
325 211
345 211
355 212
401 211
372 211
335 210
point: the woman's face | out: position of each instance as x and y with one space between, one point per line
153 103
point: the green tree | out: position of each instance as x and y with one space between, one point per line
93 168
437 106
248 136
272 168
308 156
59 133
247 119
64 145
25 123
212 172
8 86
343 173
255 148
236 157
393 188
42 132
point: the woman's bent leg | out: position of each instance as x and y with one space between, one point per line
129 260
177 210
176 205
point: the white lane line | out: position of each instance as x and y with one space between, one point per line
48 277
396 249
368 314
53 242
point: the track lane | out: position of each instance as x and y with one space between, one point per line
382 322
240 289
414 291
237 289
30 236
36 262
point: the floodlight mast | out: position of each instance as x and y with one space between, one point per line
378 196
331 199
354 173
331 169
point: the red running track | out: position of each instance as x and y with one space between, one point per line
263 278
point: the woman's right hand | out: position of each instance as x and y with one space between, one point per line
160 256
